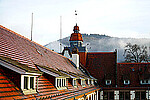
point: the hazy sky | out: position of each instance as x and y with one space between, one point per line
118 18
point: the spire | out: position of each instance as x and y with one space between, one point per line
76 29
76 36
76 16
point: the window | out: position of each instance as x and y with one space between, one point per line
83 82
75 44
108 82
74 82
28 84
92 82
60 83
126 82
25 82
124 95
89 81
108 96
145 82
64 82
31 82
140 94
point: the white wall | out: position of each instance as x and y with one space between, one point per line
75 59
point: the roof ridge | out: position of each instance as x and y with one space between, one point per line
101 52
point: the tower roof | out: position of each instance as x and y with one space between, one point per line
76 36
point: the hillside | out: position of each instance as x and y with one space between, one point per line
102 43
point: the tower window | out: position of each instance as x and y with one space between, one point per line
75 44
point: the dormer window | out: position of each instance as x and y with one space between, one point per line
28 84
74 82
83 82
92 82
25 82
108 82
60 83
89 82
126 82
145 81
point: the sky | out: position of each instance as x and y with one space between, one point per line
117 18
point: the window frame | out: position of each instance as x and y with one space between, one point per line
144 81
74 81
25 83
106 82
83 83
60 83
92 82
30 88
127 82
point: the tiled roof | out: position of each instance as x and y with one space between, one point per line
8 90
76 37
29 53
101 65
46 90
133 72
26 55
50 91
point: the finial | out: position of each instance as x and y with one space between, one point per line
75 12
76 16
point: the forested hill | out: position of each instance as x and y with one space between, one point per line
102 43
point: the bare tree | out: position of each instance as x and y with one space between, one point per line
135 53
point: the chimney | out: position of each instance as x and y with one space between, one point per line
75 57
75 60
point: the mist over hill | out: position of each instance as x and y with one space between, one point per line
102 43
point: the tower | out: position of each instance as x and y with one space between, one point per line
76 38
76 42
